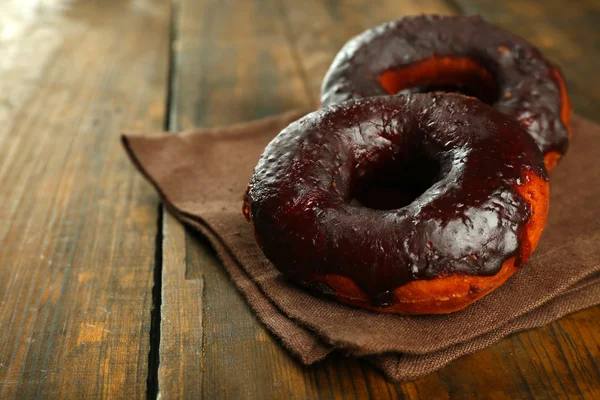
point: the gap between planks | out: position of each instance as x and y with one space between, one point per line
152 387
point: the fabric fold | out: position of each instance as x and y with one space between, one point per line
201 176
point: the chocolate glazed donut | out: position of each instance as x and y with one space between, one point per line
477 200
428 53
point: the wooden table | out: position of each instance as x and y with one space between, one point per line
102 294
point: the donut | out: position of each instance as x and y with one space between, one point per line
465 54
473 204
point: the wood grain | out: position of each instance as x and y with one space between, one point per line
78 224
181 329
237 62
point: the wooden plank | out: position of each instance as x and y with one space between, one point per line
238 62
78 224
234 63
181 333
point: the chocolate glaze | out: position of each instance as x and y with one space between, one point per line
468 222
527 83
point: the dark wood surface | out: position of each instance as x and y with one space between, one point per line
84 242
77 224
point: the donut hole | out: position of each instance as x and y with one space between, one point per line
442 74
396 184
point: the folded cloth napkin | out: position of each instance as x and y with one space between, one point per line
202 174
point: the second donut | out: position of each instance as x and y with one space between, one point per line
465 54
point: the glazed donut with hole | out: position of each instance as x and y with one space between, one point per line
411 204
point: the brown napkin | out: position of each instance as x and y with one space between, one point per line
202 174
